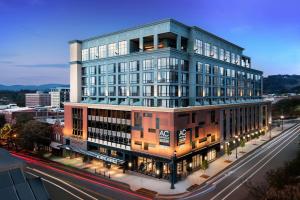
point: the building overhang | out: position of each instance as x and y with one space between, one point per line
161 109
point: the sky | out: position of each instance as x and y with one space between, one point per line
34 34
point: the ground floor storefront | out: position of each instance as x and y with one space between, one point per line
145 164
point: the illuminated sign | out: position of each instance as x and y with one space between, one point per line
181 137
164 137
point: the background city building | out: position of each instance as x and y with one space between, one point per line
37 99
59 95
160 94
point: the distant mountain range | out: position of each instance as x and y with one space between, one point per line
278 84
44 87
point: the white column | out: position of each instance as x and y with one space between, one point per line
75 71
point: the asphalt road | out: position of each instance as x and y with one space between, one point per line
232 183
70 184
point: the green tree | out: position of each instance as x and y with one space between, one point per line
35 134
204 165
242 144
228 150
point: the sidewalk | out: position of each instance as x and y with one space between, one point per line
137 181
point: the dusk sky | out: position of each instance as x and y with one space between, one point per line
34 34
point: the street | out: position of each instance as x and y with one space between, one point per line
65 183
232 183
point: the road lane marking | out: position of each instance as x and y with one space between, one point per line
240 164
71 186
50 182
295 133
259 168
283 138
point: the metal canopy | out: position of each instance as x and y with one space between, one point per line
94 154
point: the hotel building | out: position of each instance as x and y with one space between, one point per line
160 93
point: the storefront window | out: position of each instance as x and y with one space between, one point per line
211 154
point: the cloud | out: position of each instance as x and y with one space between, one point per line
44 65
6 62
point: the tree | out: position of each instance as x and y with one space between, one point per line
6 132
2 120
242 144
228 151
204 165
35 134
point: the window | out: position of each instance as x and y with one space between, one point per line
148 77
238 59
194 118
221 71
111 68
92 91
198 47
215 52
123 48
207 69
184 78
77 122
123 67
111 91
167 77
184 91
92 70
134 78
85 54
93 53
222 54
184 65
102 69
102 51
199 79
199 67
215 70
93 80
101 91
207 49
167 63
165 91
134 66
84 71
112 49
102 80
111 79
148 102
123 78
227 56
135 91
147 64
85 92
169 103
232 58
148 90
122 91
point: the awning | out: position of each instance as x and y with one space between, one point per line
94 154
55 145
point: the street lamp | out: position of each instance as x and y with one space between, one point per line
173 170
270 129
235 149
282 117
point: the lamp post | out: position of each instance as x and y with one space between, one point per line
282 117
235 149
173 170
270 129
